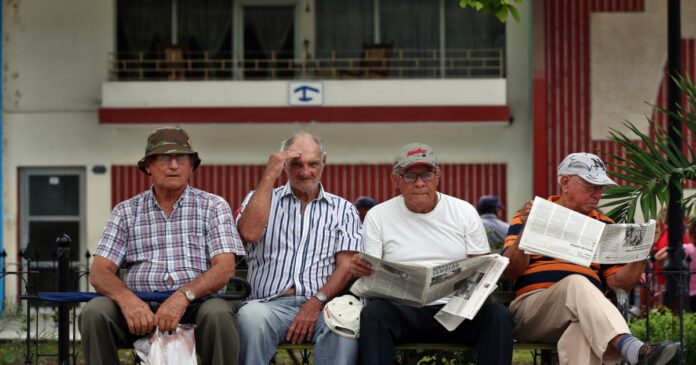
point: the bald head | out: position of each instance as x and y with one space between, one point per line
302 135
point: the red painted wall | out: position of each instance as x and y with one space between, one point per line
233 182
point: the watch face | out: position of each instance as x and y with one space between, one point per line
322 297
190 296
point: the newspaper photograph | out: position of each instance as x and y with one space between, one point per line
556 231
391 280
471 293
471 280
623 243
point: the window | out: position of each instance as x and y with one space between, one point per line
173 39
52 203
343 27
285 39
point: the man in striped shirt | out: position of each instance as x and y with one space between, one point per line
556 301
170 237
300 241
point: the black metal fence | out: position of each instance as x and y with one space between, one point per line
68 274
64 275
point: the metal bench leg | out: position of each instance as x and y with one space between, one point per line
546 357
305 357
293 357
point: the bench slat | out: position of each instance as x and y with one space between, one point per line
517 346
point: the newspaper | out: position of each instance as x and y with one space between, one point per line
469 282
556 231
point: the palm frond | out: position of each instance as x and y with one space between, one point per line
649 163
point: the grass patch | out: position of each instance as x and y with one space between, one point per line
12 353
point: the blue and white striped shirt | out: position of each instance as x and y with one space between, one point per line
299 250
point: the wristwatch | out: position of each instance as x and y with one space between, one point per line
188 294
321 297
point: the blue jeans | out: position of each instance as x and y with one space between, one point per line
263 325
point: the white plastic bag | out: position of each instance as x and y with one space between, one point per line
178 348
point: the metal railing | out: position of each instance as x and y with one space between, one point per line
394 64
28 272
64 314
650 286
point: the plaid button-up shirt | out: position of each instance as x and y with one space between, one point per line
163 253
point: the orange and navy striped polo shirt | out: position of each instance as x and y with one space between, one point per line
544 271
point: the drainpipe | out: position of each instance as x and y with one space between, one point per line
2 166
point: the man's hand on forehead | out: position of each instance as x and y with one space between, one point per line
292 154
277 160
293 151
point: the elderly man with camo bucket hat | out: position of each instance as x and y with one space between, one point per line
170 237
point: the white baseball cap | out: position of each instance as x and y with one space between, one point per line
342 315
587 166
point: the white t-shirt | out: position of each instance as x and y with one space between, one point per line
451 231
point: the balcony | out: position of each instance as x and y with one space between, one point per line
179 64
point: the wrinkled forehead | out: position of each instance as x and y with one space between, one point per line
419 168
311 151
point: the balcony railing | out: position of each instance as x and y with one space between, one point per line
177 64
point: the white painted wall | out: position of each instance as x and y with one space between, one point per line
56 54
55 61
275 93
627 68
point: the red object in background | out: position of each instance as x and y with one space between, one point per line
662 243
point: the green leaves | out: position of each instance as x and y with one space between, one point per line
650 165
499 8
664 325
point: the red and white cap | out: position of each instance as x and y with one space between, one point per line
414 154
342 315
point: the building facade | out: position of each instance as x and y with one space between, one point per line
85 82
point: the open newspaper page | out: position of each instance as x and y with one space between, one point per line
402 283
622 243
556 231
471 292
448 278
470 281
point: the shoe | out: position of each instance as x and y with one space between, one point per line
657 354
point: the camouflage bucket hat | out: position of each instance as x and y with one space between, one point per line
168 141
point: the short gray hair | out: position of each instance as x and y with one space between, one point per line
288 142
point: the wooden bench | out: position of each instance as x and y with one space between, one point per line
541 352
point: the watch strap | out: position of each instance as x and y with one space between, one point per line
187 294
322 297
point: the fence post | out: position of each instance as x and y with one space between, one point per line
63 255
4 270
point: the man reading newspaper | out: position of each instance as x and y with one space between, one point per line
557 301
425 227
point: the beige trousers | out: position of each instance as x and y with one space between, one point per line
574 313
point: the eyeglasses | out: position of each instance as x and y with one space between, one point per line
411 177
167 158
590 188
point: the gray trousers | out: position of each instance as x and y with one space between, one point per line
104 330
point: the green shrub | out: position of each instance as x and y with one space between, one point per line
664 325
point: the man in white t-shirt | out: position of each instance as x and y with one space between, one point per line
423 226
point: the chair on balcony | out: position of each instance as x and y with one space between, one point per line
174 63
374 62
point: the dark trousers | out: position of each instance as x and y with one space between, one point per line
104 330
383 324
